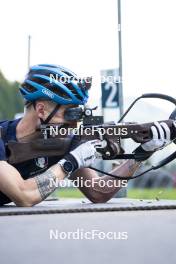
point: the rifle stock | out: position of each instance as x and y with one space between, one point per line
23 151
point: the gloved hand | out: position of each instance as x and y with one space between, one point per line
161 137
84 155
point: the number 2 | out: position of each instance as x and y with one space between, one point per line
112 94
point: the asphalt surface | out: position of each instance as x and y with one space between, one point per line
29 239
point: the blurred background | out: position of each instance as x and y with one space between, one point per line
84 36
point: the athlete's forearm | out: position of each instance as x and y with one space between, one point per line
44 184
126 169
47 182
103 188
31 191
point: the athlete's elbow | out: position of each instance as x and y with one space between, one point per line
99 198
23 203
24 199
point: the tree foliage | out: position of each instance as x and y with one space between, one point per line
10 100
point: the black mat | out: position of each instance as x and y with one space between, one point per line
83 205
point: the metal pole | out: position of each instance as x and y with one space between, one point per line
120 57
123 191
29 51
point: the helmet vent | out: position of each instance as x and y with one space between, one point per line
72 89
55 90
68 73
29 88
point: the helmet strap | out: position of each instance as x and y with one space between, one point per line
44 122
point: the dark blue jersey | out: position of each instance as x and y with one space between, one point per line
27 169
2 150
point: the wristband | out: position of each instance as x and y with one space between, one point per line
68 164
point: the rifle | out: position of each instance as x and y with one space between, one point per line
49 141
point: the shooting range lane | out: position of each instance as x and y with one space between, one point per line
151 238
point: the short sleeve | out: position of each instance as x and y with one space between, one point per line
2 151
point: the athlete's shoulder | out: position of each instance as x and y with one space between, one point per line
2 150
8 129
4 123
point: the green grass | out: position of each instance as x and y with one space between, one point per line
69 193
159 193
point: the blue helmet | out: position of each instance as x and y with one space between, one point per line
56 83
